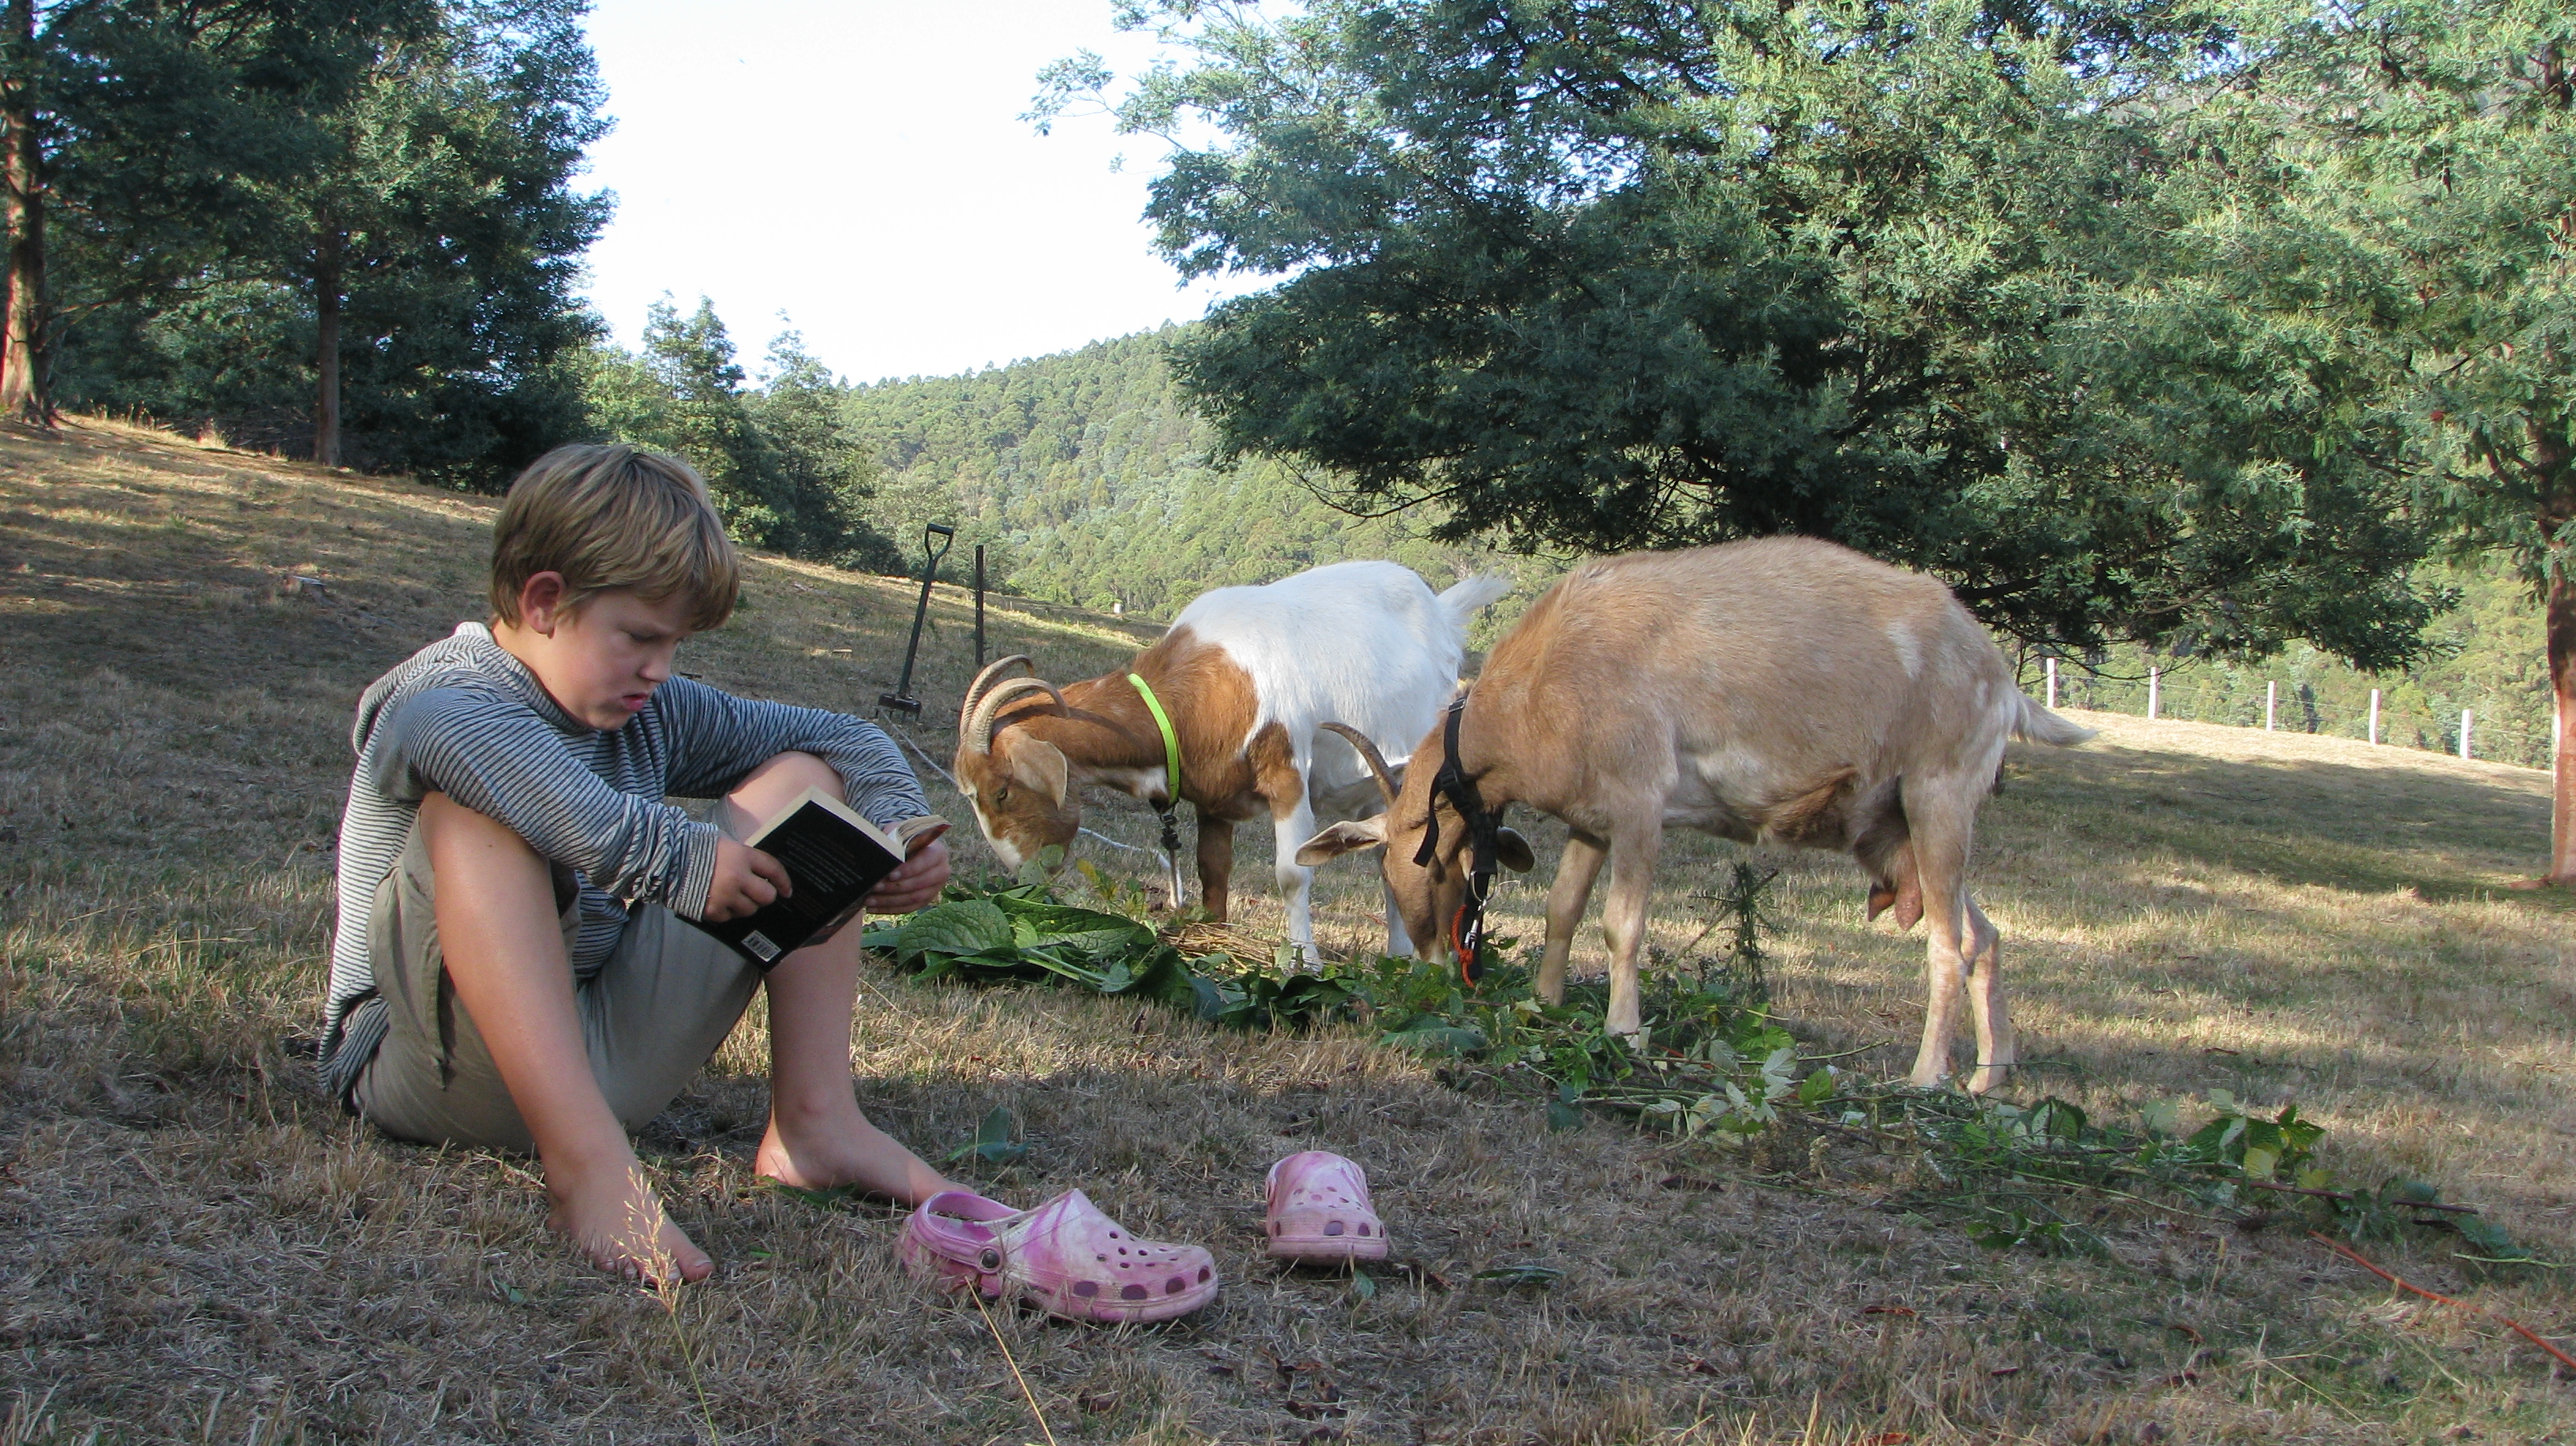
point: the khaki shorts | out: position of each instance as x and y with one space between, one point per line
651 1018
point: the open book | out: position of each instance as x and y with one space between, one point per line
832 857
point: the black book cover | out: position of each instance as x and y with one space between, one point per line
833 857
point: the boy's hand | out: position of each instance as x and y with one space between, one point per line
745 880
917 883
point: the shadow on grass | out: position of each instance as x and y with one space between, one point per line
2300 822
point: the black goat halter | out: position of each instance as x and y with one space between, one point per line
1484 844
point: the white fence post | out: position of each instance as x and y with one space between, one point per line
2151 695
2271 700
2374 715
2464 733
2052 682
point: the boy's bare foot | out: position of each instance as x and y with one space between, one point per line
619 1222
828 1148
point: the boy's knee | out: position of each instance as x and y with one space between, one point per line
484 854
786 775
766 791
445 825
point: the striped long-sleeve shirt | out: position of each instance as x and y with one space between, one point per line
464 718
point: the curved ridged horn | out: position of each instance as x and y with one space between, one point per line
1369 755
979 726
975 689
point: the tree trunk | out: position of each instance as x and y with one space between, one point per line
2562 687
23 390
326 347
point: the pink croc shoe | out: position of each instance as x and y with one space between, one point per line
1319 1211
1064 1256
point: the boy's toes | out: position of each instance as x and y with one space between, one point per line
627 1233
669 1259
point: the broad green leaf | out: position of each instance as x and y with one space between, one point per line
1437 1039
992 1143
966 926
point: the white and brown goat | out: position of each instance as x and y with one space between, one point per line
1248 676
1783 690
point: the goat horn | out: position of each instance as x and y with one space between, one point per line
1369 755
975 689
979 727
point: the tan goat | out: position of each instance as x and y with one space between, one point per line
1782 691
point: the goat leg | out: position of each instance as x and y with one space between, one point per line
1941 814
1996 1047
1566 901
1216 864
1623 919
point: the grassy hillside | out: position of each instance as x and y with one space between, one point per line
203 1249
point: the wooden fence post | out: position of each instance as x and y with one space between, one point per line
2151 695
2464 733
2374 715
2052 682
2271 701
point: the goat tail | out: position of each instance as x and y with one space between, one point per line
1472 595
2041 726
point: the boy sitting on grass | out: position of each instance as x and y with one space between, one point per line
507 971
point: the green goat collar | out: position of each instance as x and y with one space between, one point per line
1171 741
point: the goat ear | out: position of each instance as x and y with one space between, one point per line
1040 765
1342 838
1513 851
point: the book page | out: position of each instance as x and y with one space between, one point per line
837 809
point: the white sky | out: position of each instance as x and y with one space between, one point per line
860 166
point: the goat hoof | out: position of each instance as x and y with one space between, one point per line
1987 1077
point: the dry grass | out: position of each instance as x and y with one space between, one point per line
198 1247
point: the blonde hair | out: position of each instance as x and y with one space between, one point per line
611 517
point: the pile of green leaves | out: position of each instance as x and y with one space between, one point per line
2014 1171
1715 1068
1022 933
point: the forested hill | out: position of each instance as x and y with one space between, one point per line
1086 476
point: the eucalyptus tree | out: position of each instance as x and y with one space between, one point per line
1602 274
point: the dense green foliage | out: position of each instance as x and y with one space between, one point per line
781 464
221 177
1627 273
2390 189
